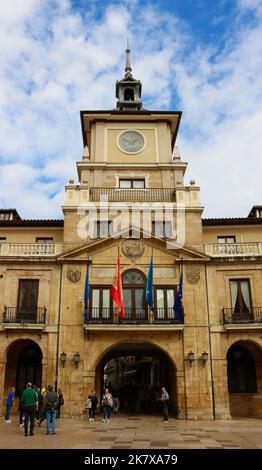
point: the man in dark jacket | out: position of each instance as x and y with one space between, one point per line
51 403
29 400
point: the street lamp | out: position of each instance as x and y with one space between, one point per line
76 358
63 358
204 357
190 357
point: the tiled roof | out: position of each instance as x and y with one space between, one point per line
233 221
32 223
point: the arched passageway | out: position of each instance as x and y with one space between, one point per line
135 373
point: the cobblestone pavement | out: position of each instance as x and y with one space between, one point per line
136 432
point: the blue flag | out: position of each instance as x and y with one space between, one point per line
86 294
178 306
149 286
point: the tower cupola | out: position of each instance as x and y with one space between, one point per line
128 90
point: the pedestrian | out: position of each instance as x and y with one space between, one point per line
9 404
43 417
107 403
29 400
165 401
60 402
91 404
21 410
51 403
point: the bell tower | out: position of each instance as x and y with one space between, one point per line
128 90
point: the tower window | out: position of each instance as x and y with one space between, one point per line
132 183
129 94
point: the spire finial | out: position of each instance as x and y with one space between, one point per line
128 68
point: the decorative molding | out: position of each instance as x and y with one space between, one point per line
73 276
133 249
193 274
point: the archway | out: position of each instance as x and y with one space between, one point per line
23 364
135 373
244 369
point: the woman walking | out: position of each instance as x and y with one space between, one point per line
92 403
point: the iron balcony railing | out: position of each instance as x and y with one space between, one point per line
134 316
254 315
133 195
20 315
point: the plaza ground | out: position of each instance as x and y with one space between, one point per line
136 432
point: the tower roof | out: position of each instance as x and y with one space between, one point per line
128 90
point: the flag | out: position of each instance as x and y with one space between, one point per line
149 286
86 293
178 306
116 292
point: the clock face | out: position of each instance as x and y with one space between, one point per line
131 141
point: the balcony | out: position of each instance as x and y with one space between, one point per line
232 250
242 320
135 318
30 249
15 317
133 195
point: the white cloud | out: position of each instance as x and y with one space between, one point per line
56 61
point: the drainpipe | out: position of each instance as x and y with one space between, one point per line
58 327
210 349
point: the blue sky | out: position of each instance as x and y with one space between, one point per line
203 57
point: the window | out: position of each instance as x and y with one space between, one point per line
227 239
102 229
241 370
2 239
240 297
134 294
100 302
164 302
132 183
162 229
43 240
27 300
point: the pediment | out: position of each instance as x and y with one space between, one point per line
127 244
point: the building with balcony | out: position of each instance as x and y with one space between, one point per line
131 202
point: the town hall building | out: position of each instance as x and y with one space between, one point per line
58 322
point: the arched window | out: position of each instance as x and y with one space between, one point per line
241 370
134 288
129 94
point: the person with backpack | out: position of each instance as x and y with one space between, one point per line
107 403
51 404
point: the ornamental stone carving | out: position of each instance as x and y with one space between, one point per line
74 276
193 274
133 249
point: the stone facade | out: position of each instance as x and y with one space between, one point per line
56 255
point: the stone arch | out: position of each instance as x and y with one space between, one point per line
144 368
24 359
244 371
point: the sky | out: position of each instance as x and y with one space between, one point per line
201 57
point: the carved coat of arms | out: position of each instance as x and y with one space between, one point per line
74 276
193 274
133 248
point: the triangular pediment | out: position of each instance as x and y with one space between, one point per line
84 251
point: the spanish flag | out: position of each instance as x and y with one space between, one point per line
116 292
